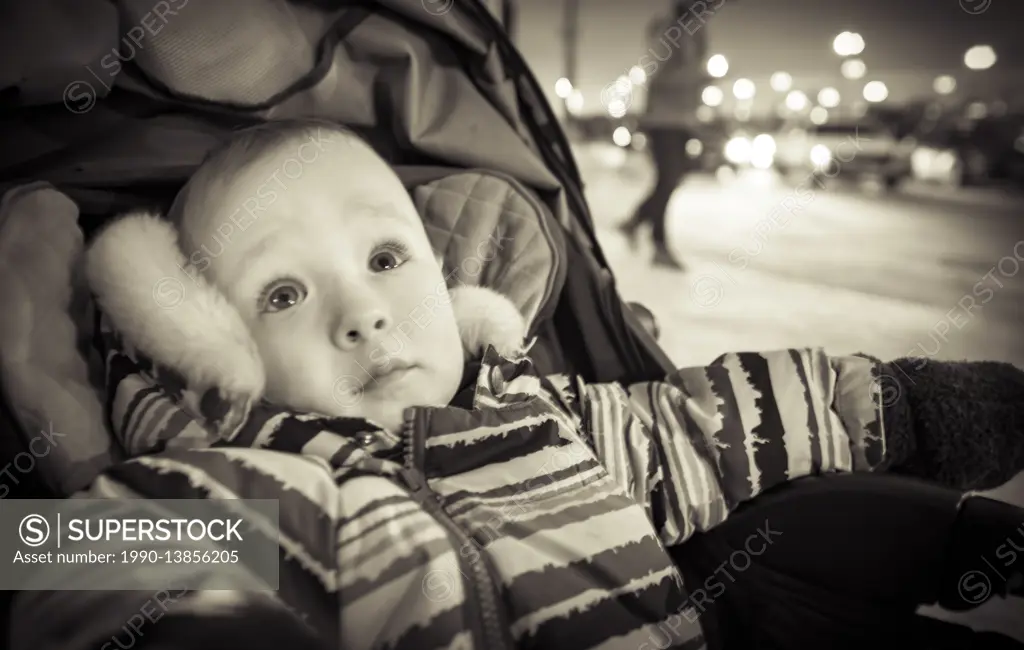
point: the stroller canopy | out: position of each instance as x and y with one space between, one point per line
130 95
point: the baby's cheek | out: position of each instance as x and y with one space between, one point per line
282 361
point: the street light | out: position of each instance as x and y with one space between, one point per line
574 102
828 97
944 84
744 89
840 43
563 88
819 115
875 91
637 75
853 69
712 96
796 100
980 57
856 45
718 66
781 82
848 44
622 137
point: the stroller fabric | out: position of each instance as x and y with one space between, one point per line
44 342
392 70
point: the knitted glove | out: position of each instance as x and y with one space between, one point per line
960 424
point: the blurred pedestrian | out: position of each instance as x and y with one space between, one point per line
674 89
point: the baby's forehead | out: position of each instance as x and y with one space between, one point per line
353 181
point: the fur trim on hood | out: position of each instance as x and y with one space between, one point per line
143 284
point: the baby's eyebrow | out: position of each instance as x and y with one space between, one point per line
257 252
380 210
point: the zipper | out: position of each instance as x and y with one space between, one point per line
486 592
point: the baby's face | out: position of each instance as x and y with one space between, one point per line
330 266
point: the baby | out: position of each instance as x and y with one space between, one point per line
299 277
324 259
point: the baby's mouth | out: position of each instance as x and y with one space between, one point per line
383 376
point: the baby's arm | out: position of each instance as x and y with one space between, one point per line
699 443
696 445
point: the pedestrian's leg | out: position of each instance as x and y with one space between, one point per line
841 561
676 164
648 212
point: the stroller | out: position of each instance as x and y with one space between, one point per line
125 98
118 106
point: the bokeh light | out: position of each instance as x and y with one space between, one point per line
744 89
875 91
622 137
853 69
944 84
712 96
781 82
718 66
828 97
796 100
980 57
563 88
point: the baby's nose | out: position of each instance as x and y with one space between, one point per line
357 329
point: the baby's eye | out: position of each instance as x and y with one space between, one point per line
393 256
282 295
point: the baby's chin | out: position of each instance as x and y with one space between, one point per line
384 408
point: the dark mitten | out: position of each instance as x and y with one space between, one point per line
960 424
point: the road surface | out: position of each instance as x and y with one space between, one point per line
773 264
921 272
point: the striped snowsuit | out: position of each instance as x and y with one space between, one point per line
533 512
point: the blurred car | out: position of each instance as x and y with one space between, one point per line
844 149
744 149
964 152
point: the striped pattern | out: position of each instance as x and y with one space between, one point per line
719 435
524 521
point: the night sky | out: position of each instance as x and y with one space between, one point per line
908 42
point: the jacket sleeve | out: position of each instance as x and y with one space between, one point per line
960 424
696 445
